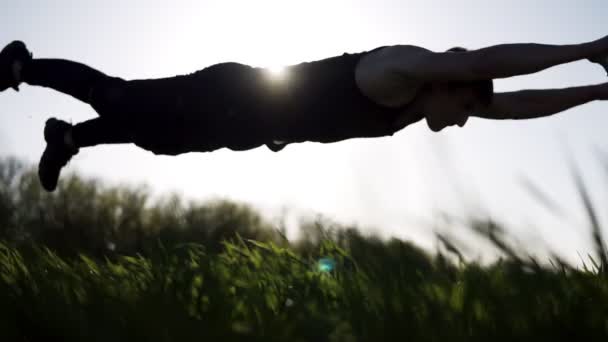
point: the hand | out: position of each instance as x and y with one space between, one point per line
601 47
601 61
602 92
601 58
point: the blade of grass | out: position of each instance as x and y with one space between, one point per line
596 228
542 197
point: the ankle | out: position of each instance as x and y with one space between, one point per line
17 69
68 139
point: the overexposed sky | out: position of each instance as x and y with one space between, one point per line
392 183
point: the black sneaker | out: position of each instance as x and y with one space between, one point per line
13 52
56 155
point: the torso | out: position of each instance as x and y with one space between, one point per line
334 100
235 106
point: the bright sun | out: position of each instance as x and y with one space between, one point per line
277 71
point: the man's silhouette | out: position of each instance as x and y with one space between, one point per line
368 94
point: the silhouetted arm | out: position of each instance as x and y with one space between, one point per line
528 104
498 61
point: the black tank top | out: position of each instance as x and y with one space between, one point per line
241 107
326 105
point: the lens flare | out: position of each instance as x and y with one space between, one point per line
326 265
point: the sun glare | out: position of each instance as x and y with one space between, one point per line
277 71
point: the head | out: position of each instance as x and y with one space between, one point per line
451 103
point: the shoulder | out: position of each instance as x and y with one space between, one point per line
396 51
391 58
376 77
385 57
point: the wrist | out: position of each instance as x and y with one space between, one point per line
594 49
597 92
600 92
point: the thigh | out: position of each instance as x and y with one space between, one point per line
115 97
108 96
377 80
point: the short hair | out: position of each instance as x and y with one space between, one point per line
483 89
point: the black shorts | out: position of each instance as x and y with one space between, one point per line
241 107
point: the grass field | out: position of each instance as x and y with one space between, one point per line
258 291
180 271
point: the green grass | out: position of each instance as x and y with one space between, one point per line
259 291
217 271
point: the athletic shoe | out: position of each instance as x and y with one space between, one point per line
56 155
12 59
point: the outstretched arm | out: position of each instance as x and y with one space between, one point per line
498 61
528 104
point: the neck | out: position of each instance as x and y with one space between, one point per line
410 114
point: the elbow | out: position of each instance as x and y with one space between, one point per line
471 66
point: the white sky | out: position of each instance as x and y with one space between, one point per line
391 183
